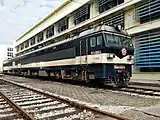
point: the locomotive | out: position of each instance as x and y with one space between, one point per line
100 54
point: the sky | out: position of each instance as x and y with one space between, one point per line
17 16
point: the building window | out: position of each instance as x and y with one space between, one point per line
82 14
148 11
9 49
32 40
147 49
26 44
62 25
108 4
9 54
22 46
50 31
40 37
115 19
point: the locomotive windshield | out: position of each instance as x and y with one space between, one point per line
117 40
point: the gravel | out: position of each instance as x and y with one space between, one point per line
91 95
46 112
116 102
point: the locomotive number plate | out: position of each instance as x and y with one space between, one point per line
119 67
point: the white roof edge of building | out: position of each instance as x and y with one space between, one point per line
144 27
128 3
61 5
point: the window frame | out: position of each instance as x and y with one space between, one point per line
93 43
50 31
40 37
63 25
101 40
82 14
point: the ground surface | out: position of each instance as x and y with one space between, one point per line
133 106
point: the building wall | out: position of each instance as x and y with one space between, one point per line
67 10
5 54
144 27
55 17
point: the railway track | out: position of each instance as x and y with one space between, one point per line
31 106
145 84
21 102
6 111
134 87
141 90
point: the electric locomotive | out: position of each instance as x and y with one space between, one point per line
100 54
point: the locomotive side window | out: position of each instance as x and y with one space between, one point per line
118 40
99 40
93 41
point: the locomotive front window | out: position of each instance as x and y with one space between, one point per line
112 40
117 40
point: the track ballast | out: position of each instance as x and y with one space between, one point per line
31 104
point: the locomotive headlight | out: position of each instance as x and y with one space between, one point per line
110 56
130 57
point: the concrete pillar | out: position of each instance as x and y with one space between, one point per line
29 42
44 35
71 22
55 29
130 20
93 9
36 38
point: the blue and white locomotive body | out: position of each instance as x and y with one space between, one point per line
102 53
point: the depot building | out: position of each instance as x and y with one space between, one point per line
140 18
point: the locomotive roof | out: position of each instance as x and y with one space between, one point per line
82 34
102 28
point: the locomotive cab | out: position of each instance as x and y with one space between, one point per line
121 48
117 50
119 45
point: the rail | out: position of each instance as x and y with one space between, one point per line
70 102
